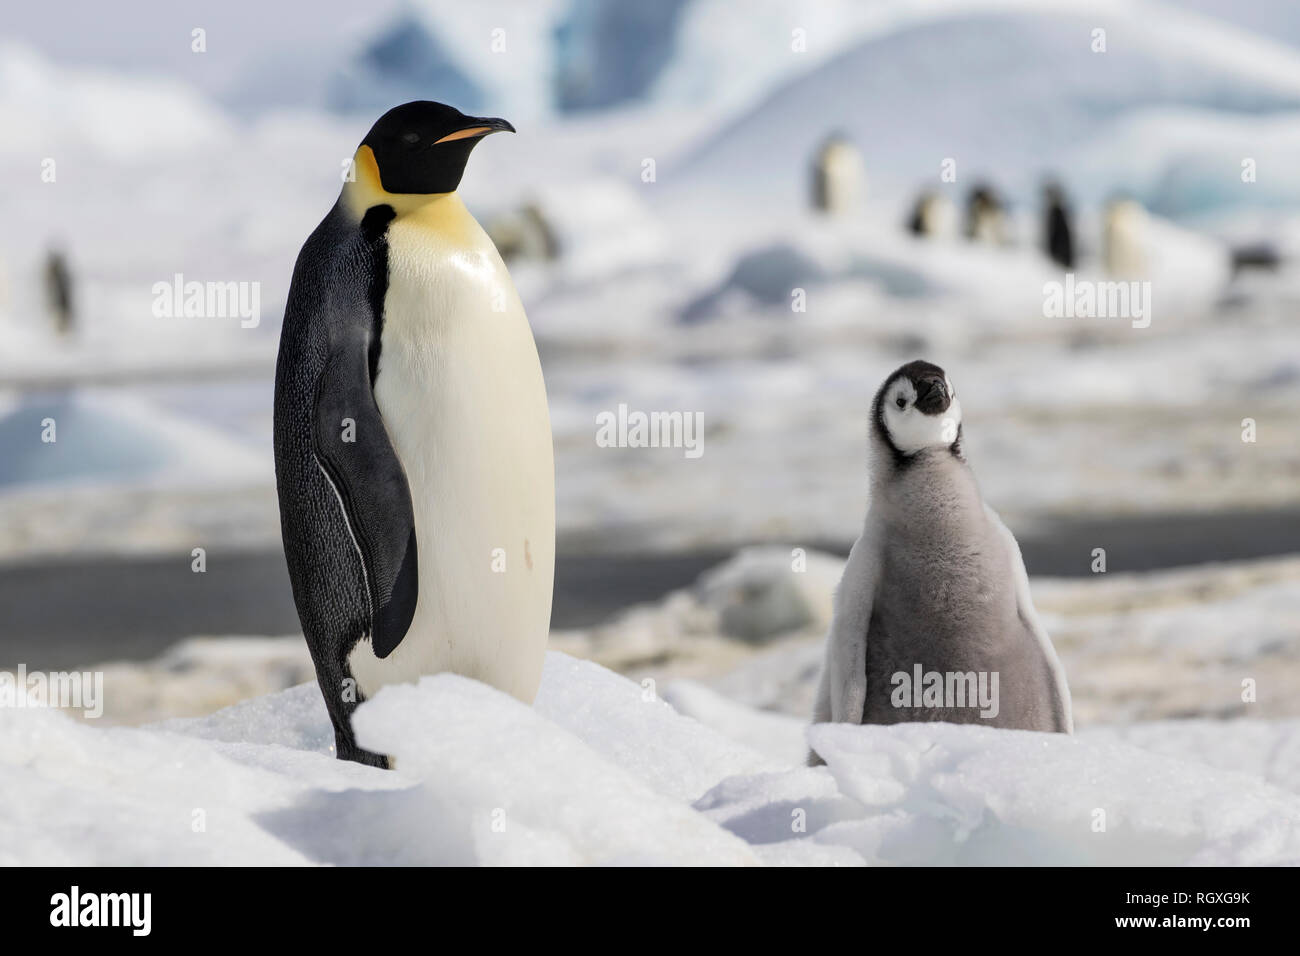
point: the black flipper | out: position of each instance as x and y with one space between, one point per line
371 485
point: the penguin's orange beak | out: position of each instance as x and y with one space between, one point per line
481 126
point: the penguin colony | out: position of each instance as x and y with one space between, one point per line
415 473
1123 234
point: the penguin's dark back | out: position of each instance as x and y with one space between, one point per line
332 279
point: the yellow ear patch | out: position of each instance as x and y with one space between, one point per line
367 167
367 189
364 189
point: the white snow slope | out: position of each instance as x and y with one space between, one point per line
601 771
1010 88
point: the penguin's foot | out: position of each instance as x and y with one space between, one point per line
349 751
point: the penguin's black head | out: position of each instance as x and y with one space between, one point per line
983 196
422 147
917 408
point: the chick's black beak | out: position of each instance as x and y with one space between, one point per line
932 396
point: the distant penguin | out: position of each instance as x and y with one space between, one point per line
1256 255
58 292
412 439
1058 235
934 584
1124 239
838 177
524 234
932 216
985 218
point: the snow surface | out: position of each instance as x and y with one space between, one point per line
697 756
602 772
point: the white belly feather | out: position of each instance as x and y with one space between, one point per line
460 390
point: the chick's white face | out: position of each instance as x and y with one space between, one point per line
911 429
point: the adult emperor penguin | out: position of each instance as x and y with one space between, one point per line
1125 225
933 216
1058 236
412 439
934 584
839 176
985 216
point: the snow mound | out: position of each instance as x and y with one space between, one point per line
629 726
46 109
294 718
1265 749
940 794
945 794
527 790
763 592
600 771
100 436
778 735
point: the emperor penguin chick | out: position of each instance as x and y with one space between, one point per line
932 619
412 439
